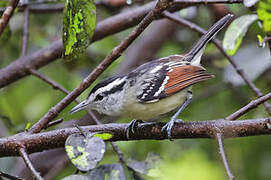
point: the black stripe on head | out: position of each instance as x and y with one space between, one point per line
106 82
115 89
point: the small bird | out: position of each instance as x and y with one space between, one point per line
154 88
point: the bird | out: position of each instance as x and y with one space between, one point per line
154 88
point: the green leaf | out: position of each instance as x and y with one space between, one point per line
236 31
28 126
84 152
103 136
264 14
79 22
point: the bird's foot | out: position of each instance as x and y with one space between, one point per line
132 127
168 127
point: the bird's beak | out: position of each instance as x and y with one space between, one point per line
79 107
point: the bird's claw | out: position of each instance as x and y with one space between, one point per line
132 127
168 127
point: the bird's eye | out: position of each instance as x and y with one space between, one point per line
99 97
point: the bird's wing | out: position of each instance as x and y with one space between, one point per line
170 79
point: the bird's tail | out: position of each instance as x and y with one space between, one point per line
194 55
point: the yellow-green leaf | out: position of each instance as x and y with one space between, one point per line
28 126
264 14
104 136
79 22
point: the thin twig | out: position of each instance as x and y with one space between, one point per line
209 1
7 14
219 46
57 86
11 177
25 33
119 153
52 123
222 153
29 164
54 84
201 129
117 51
253 104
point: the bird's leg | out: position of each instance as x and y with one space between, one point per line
132 127
170 124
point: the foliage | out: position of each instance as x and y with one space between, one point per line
264 14
239 27
236 31
79 23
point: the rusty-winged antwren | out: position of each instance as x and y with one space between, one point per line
154 88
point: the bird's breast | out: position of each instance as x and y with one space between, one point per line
147 111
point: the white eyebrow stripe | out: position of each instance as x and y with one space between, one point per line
111 85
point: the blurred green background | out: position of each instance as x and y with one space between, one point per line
29 98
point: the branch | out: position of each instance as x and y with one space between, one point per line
53 123
253 104
38 8
44 8
219 46
52 83
117 51
8 176
25 33
7 15
207 1
202 129
29 164
107 27
222 153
